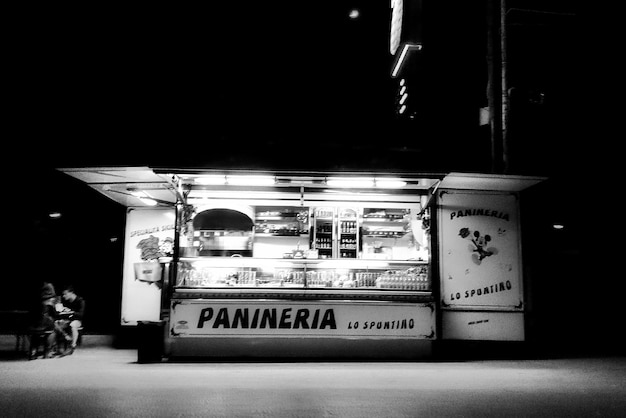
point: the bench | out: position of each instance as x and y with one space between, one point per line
15 323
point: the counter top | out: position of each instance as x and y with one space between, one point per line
303 294
301 262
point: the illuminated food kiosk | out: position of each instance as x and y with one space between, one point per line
240 264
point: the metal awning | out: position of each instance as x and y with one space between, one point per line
129 186
489 182
135 186
145 186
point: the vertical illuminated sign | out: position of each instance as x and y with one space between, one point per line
396 25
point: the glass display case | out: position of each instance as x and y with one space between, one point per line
234 273
337 251
387 234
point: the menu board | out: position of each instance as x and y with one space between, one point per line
149 235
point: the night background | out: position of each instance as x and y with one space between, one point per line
296 86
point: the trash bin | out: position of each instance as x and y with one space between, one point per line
150 345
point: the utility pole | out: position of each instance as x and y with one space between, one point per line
497 85
505 88
494 84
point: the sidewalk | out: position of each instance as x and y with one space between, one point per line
99 380
7 344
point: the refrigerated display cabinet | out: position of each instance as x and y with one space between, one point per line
346 278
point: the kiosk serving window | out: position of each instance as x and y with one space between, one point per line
346 245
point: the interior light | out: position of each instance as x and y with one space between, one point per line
137 193
250 180
354 13
142 196
148 201
402 90
54 215
210 180
350 182
390 183
403 98
402 82
558 226
402 109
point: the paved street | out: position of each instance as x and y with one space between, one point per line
107 382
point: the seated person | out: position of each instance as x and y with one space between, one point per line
43 317
75 304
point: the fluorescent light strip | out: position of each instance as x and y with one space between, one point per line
384 183
250 180
210 180
220 180
350 182
390 183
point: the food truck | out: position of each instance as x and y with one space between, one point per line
277 264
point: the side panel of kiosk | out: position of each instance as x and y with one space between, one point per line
480 266
149 236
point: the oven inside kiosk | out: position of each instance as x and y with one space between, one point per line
303 267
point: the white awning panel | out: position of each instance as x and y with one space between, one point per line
489 182
129 186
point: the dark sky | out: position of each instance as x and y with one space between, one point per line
272 85
299 86
240 83
152 77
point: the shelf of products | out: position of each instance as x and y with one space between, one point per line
281 221
324 239
386 223
348 232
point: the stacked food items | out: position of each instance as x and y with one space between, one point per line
190 276
284 222
415 278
